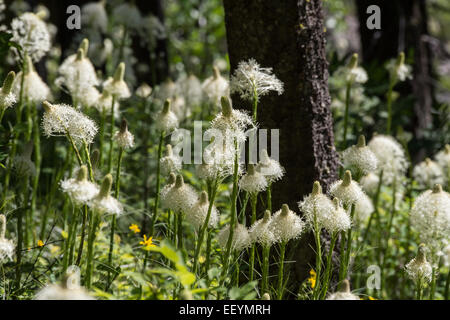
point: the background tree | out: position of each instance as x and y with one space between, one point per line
289 36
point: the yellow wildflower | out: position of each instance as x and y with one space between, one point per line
312 278
134 228
147 243
40 243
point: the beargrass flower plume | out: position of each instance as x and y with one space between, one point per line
191 89
196 215
253 181
144 91
344 292
430 216
443 158
352 72
398 70
363 209
31 33
34 89
260 232
7 97
241 238
216 87
251 81
390 155
116 86
270 168
419 269
316 207
339 220
360 157
170 162
179 196
79 189
180 108
286 225
347 190
123 137
428 173
445 253
62 119
232 123
104 104
22 164
127 15
167 90
103 202
166 120
7 247
94 16
69 289
370 182
78 75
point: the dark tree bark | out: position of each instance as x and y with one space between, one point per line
403 28
289 37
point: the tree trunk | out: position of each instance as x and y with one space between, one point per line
289 37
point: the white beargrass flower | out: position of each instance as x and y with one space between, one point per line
94 16
339 220
253 181
363 209
116 86
232 123
127 15
249 79
22 164
370 182
344 292
34 89
197 214
360 157
270 168
260 232
391 157
167 90
316 207
104 104
31 33
103 202
430 216
166 120
352 72
179 196
69 289
427 173
180 108
398 70
123 137
443 158
79 189
347 190
170 162
62 119
78 74
241 238
286 225
7 247
191 89
7 97
144 91
445 253
216 87
89 97
419 269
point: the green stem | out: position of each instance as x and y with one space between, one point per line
281 270
93 223
254 200
389 107
265 269
83 233
158 184
328 268
111 135
346 114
